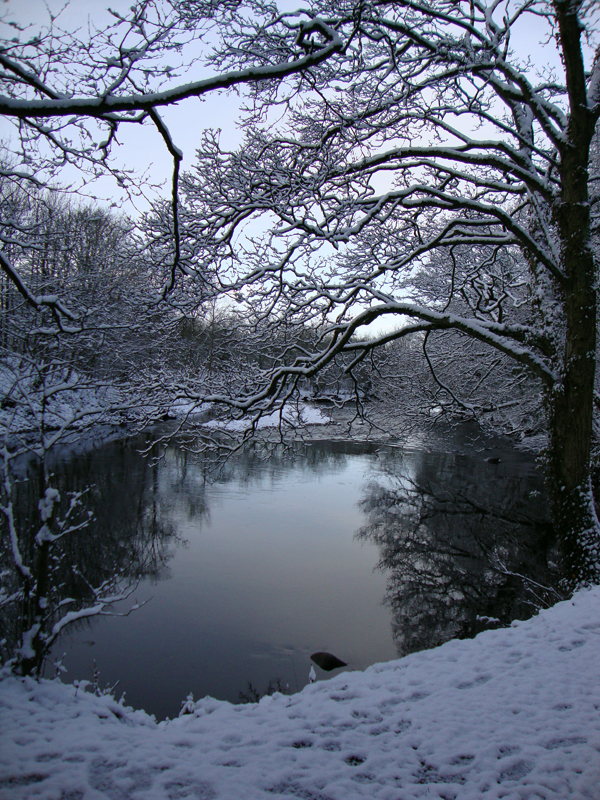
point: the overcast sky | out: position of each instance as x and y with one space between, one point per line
141 148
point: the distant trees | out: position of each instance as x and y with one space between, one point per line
454 376
80 252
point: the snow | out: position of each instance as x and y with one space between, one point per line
513 714
313 416
186 408
71 403
71 406
305 415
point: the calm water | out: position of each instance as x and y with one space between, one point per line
355 549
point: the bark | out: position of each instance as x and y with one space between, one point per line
571 405
572 401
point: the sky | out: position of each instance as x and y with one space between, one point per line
141 148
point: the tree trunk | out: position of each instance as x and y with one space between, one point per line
571 409
571 406
572 401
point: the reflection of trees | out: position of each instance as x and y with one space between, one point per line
258 461
130 527
133 501
127 536
456 545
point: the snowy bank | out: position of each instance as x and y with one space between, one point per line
290 416
514 713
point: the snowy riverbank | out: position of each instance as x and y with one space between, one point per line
514 713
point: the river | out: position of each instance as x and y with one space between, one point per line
362 550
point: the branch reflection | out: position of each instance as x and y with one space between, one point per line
466 544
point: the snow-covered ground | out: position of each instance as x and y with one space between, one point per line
514 713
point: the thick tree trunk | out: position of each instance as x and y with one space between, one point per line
572 400
571 408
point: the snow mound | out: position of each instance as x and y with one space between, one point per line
304 415
513 713
187 408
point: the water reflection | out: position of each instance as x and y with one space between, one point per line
270 573
253 565
131 530
125 531
464 543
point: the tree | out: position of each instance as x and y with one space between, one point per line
430 144
454 377
63 559
72 279
68 96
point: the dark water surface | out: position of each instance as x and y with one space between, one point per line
250 572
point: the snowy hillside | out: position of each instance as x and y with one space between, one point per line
514 713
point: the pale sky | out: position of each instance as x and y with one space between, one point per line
141 148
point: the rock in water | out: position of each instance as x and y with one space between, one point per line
327 662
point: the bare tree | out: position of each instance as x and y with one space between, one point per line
434 139
455 377
43 406
69 95
67 296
